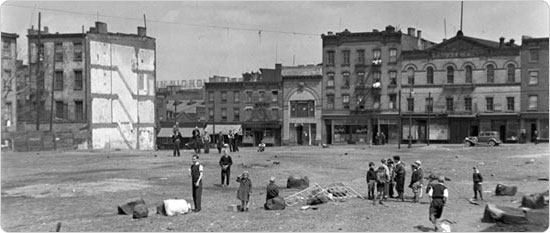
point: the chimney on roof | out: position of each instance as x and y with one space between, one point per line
410 31
330 33
501 41
45 30
142 31
374 30
419 36
390 28
101 27
512 41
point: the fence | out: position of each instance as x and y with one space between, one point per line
41 141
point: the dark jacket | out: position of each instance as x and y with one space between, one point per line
272 191
477 178
417 176
226 160
371 175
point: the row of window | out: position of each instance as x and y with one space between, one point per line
360 56
489 71
261 97
490 74
449 101
77 51
59 80
62 109
237 114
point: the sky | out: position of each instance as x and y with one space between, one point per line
196 40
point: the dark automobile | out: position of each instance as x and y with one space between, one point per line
491 138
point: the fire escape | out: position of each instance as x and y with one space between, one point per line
367 89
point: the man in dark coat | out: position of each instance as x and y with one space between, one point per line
225 164
197 140
219 142
196 179
400 174
176 140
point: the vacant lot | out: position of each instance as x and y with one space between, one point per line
82 189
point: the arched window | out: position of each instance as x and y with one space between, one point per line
468 70
490 74
450 74
430 75
511 73
410 75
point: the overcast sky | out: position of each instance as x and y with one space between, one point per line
196 40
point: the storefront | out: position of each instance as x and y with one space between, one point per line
531 122
257 132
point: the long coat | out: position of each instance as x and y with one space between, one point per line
245 187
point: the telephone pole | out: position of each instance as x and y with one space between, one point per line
38 75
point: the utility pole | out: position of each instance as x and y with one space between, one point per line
400 124
429 110
409 102
51 93
38 75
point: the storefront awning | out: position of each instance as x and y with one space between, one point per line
167 132
224 129
462 116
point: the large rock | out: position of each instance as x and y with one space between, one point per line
503 190
176 207
505 214
533 201
128 208
140 211
297 182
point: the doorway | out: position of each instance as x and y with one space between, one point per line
502 132
258 137
533 133
329 131
299 134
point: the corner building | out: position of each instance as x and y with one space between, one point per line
461 87
360 86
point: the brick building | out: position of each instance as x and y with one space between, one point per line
534 87
361 73
252 107
461 86
9 82
302 87
98 85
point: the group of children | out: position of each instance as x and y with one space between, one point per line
389 175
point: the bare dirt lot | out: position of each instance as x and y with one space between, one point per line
82 189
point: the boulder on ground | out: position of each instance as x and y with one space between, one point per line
316 200
140 211
128 208
297 182
503 190
276 203
504 214
533 201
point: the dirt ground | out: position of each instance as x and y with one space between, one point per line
81 189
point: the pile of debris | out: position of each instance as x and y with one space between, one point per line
138 209
316 194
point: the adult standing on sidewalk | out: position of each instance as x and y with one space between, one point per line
196 173
219 142
400 174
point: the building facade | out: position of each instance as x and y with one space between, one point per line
9 82
361 73
461 87
302 106
99 85
534 87
251 107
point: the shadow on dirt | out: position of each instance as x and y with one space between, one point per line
423 228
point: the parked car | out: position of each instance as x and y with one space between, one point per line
491 138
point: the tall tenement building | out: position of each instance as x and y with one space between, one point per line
99 85
534 87
361 82
9 82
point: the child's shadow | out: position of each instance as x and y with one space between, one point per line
423 228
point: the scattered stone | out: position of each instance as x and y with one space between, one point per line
492 174
533 201
276 162
140 211
503 214
503 190
128 208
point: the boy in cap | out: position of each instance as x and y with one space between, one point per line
438 198
416 180
371 181
477 184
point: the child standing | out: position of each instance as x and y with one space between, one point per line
477 184
371 180
381 180
244 191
